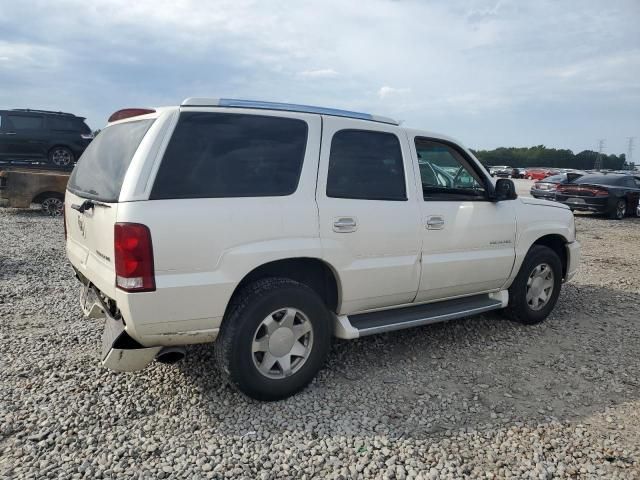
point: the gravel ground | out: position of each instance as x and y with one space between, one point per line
480 397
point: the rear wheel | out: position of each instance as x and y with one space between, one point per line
53 206
535 291
619 211
274 339
61 156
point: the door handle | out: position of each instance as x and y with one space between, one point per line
345 225
435 222
9 133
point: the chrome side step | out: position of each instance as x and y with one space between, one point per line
371 323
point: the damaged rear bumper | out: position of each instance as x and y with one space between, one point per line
119 352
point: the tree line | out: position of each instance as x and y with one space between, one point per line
541 156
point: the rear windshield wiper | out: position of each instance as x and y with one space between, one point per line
88 205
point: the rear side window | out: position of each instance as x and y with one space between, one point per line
100 171
71 124
366 165
26 122
213 155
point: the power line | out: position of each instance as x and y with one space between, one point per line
598 163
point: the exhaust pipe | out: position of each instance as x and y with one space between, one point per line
171 355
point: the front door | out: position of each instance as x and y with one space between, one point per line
369 213
468 242
26 136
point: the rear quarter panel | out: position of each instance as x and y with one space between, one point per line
204 247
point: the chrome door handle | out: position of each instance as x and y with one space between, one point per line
435 223
9 133
345 225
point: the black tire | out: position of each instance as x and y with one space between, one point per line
619 211
61 156
519 309
233 347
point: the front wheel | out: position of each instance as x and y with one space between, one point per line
536 288
274 339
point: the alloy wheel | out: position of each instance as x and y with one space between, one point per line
540 286
282 343
53 206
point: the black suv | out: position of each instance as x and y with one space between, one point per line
42 136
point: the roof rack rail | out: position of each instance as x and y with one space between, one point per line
289 107
30 110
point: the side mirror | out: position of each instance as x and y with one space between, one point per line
505 190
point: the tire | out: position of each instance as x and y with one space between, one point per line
61 156
245 327
53 205
619 211
520 309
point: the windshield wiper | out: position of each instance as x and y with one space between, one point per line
89 205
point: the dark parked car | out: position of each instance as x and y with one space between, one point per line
613 194
518 173
42 136
546 188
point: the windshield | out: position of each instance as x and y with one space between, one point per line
100 171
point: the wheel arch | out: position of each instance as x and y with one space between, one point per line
317 274
41 196
558 244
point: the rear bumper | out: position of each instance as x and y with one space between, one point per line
585 204
573 259
120 352
544 194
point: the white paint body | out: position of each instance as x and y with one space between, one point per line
203 248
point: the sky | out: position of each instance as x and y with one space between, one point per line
490 73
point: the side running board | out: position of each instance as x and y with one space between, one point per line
363 324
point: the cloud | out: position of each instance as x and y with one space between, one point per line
321 73
490 72
386 92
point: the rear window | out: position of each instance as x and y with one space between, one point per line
100 171
600 180
555 178
213 155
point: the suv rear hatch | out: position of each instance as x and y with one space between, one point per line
91 201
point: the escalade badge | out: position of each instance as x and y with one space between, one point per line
81 227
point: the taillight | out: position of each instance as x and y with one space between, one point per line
134 258
128 113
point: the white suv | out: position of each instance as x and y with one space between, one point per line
269 227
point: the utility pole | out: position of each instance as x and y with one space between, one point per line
598 164
629 158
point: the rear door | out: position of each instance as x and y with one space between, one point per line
91 200
369 216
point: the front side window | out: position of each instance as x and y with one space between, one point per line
445 173
366 165
26 122
215 155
